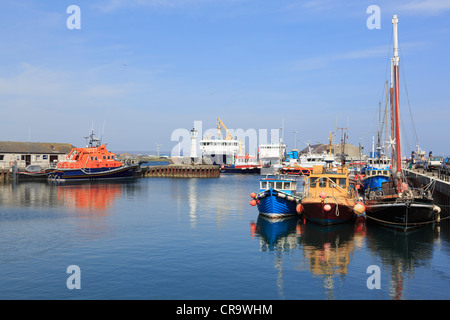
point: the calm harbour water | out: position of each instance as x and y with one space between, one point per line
175 239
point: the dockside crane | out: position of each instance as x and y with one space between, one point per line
219 134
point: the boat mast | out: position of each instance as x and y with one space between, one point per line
397 104
391 93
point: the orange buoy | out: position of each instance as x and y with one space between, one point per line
253 195
327 207
299 208
359 208
323 195
253 202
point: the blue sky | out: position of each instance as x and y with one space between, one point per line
143 68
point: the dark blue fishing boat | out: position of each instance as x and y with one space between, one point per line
375 173
277 197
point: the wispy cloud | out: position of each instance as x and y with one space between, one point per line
113 5
324 61
427 6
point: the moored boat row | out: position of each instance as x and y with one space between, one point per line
380 191
328 197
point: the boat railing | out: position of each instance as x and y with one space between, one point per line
383 192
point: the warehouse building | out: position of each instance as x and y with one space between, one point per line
23 154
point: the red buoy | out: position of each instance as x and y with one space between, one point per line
253 202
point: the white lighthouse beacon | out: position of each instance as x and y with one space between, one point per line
193 145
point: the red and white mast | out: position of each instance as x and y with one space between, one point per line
397 104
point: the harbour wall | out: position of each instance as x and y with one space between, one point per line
441 189
181 171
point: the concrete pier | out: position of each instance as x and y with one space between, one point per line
441 191
181 171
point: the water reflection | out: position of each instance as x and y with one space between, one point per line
327 250
93 199
277 235
86 204
192 195
401 253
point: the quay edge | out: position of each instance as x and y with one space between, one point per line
181 171
441 189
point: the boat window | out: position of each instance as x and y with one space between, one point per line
287 185
332 182
95 157
279 185
342 182
385 173
263 184
104 157
92 158
322 183
312 182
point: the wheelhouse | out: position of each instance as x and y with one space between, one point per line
285 185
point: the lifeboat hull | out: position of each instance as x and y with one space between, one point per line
93 173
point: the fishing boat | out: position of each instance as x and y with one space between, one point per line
34 172
93 162
277 197
376 172
329 196
396 204
243 164
305 163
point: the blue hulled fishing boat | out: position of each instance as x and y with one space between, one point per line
375 173
277 197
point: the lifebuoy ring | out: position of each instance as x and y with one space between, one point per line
11 163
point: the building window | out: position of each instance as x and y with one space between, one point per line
2 157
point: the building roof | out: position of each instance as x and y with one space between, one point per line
35 147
